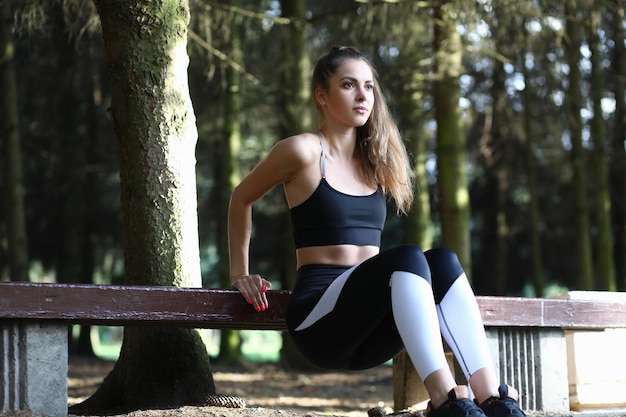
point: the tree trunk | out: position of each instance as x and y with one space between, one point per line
618 154
294 101
417 223
409 94
578 160
295 117
601 197
154 122
454 204
494 241
228 178
92 187
75 258
535 224
505 34
408 388
73 202
15 218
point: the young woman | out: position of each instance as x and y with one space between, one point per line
353 306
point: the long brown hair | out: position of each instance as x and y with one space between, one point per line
380 146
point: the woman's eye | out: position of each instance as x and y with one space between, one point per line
348 85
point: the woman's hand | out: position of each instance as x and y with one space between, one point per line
253 289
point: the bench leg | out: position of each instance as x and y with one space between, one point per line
534 360
408 389
33 371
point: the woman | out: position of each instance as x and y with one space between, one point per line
354 307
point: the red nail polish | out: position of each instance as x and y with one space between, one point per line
264 288
249 301
257 308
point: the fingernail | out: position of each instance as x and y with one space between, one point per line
249 301
257 308
264 288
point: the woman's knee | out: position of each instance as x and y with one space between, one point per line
410 258
445 268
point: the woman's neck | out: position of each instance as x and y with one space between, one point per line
339 142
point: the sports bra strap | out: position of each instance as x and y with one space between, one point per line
323 158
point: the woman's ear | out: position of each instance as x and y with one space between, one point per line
320 96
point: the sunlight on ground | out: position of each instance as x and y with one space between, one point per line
267 386
338 393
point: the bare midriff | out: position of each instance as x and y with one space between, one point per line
343 255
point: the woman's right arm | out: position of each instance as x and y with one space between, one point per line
251 287
282 163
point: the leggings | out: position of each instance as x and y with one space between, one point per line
362 316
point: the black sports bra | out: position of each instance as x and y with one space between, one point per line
330 217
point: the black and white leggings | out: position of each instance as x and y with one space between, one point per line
362 316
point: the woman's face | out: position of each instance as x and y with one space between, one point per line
350 96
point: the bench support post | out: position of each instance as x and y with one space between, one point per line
533 360
33 367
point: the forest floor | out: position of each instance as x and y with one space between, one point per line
267 390
270 392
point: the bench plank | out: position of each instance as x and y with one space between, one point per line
224 308
568 314
133 305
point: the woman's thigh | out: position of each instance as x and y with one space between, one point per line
351 325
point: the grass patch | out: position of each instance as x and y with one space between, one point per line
257 345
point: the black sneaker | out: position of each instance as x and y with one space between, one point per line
455 407
503 406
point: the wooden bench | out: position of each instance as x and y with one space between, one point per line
113 305
526 335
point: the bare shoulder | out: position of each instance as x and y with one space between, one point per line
303 148
295 154
289 160
306 151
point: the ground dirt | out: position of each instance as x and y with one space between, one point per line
267 390
271 392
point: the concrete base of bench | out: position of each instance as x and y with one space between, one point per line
33 374
531 359
596 364
534 360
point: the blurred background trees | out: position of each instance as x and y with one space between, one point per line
528 96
